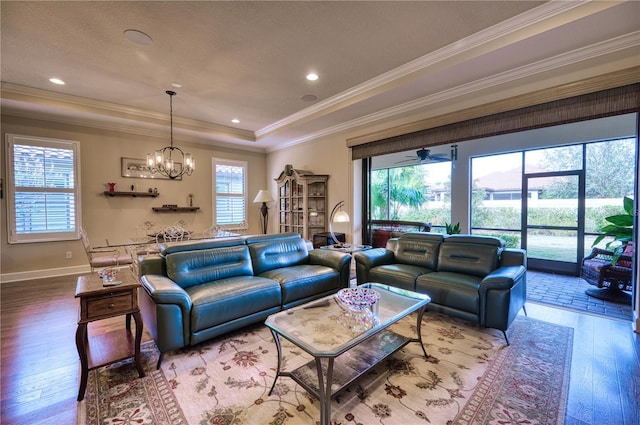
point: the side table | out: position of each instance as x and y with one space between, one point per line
350 249
98 302
347 248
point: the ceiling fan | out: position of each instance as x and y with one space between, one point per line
424 155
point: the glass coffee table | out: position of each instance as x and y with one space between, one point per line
344 343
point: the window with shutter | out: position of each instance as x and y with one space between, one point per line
230 199
43 195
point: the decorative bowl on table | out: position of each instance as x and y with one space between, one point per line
357 321
357 299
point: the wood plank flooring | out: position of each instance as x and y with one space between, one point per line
40 366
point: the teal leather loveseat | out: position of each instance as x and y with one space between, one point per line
198 290
474 278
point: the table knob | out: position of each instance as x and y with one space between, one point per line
111 305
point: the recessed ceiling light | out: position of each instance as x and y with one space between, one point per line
176 84
235 121
312 77
57 81
309 98
138 37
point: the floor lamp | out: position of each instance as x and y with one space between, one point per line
337 216
264 197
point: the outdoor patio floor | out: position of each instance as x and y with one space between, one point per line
568 292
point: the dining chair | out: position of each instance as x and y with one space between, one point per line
145 242
103 257
173 233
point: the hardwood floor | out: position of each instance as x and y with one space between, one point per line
40 366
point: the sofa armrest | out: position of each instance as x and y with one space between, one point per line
502 294
151 265
165 309
325 257
163 290
502 278
513 257
374 257
339 261
366 260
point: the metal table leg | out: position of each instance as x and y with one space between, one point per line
276 339
324 387
419 327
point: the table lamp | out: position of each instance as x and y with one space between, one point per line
264 197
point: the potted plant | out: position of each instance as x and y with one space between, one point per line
620 227
452 229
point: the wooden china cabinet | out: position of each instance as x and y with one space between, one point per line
302 202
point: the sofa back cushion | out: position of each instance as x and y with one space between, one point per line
468 258
189 268
173 247
278 253
481 240
418 249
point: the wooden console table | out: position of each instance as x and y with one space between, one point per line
98 302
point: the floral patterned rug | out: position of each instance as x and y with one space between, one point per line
471 377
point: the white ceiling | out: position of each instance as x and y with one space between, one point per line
377 61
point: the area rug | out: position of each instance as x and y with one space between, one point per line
470 377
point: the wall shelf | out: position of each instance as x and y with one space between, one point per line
175 209
132 194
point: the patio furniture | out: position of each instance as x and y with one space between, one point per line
383 230
611 280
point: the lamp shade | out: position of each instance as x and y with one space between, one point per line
263 196
340 217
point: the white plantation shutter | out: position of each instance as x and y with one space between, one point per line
230 193
43 195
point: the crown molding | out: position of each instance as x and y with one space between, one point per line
563 91
614 45
500 35
75 104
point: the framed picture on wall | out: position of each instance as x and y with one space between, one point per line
138 168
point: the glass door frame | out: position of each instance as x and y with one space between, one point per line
554 266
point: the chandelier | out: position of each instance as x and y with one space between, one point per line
170 161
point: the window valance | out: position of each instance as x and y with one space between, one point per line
615 101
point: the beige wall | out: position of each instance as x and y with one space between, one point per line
327 156
116 218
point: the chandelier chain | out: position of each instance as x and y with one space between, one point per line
162 162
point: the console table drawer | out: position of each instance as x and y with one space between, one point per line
104 306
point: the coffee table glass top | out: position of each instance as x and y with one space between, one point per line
327 328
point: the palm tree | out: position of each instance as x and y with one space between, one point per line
395 189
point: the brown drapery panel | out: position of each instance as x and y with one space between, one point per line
615 101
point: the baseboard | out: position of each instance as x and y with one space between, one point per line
635 323
39 274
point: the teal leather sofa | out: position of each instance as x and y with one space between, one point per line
474 278
198 290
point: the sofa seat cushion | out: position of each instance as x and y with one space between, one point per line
455 290
306 280
399 275
227 299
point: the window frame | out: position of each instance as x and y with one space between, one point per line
42 142
243 224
